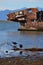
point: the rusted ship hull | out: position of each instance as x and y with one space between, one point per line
30 19
32 29
33 26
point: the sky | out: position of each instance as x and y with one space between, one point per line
17 4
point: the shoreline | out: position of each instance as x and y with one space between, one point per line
22 61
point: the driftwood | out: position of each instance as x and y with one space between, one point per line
29 49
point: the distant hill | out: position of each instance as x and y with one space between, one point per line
3 13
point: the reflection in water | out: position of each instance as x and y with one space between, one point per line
9 33
28 40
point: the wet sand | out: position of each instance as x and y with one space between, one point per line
21 61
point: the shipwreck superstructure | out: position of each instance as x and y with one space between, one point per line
29 19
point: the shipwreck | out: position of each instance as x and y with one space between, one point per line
29 19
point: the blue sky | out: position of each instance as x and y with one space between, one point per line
17 4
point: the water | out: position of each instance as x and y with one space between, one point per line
9 33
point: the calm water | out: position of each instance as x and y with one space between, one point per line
9 33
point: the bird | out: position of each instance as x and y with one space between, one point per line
6 51
20 52
20 45
14 43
